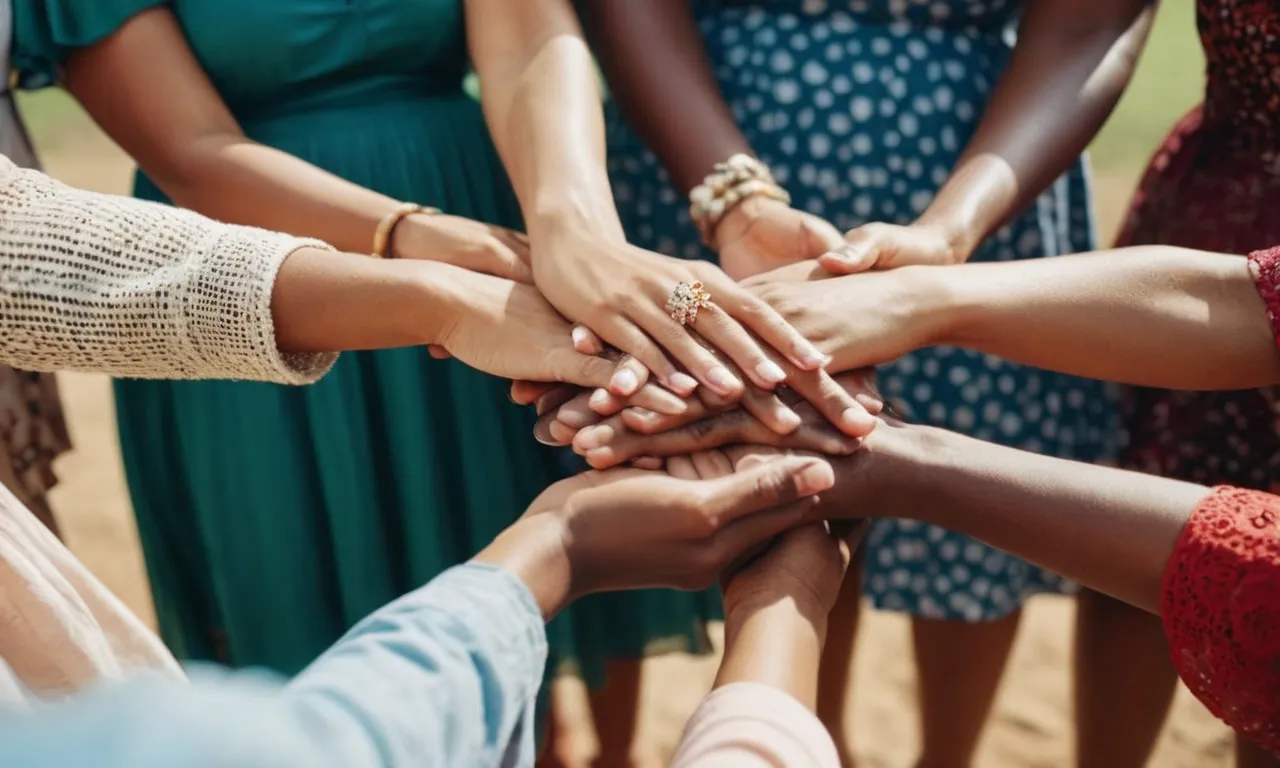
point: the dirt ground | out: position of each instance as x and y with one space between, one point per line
1031 725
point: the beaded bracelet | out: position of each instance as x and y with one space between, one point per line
728 184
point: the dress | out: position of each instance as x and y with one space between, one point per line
272 519
33 431
1215 185
861 108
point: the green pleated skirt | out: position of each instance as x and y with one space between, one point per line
273 518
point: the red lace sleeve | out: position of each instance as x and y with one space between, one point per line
1265 268
1221 609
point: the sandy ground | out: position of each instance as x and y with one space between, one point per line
1031 725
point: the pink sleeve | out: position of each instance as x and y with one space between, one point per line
750 725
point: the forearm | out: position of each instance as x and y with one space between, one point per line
1155 316
324 301
1069 69
776 644
1108 529
661 78
543 105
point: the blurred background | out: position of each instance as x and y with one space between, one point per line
1031 724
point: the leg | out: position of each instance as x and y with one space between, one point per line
615 708
557 745
1250 755
960 666
1124 682
836 670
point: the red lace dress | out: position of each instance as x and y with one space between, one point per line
1215 185
1221 603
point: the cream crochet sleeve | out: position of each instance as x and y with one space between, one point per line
95 282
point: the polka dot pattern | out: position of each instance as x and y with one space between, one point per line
862 107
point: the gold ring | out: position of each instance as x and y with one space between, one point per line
685 301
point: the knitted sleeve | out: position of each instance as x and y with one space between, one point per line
95 282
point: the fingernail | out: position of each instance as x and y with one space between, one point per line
857 422
644 414
789 420
542 433
683 383
572 417
812 358
579 336
815 477
599 399
562 434
647 462
873 405
593 437
600 458
771 372
624 382
720 378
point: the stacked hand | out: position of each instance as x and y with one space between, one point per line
630 529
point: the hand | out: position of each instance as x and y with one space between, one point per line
859 320
642 435
761 234
629 529
620 292
507 329
889 246
464 243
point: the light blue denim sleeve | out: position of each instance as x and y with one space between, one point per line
445 676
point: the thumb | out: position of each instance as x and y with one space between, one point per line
586 341
570 366
770 485
861 250
818 236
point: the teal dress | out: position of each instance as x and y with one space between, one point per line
274 518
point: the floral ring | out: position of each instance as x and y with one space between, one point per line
685 301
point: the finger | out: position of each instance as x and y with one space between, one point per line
772 485
438 352
747 538
650 463
818 236
629 376
733 341
833 402
691 354
681 467
863 248
753 312
585 341
651 397
553 399
628 337
570 366
771 411
648 422
528 392
712 464
609 444
512 258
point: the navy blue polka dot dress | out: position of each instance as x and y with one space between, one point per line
862 108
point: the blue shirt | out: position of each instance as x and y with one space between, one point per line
445 676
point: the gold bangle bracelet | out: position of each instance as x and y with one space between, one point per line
386 227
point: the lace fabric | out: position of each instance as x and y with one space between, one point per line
1221 609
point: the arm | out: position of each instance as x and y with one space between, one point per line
660 76
542 104
196 152
103 283
1151 315
1155 316
1073 60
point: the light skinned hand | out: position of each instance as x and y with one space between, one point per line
507 329
761 234
632 529
620 292
464 243
889 246
860 320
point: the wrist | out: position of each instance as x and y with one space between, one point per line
533 551
441 304
794 610
573 216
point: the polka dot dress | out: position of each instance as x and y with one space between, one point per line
862 108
